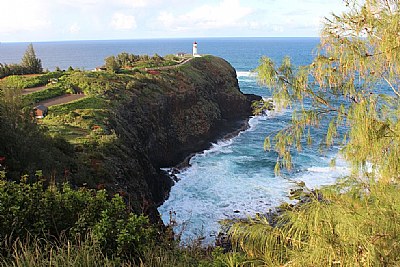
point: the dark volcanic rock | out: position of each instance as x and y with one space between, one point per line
169 117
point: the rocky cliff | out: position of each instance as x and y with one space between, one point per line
125 127
169 115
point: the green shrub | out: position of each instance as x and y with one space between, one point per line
81 104
352 225
47 93
59 226
22 82
50 212
120 233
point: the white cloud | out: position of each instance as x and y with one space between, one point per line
81 3
22 15
134 3
121 21
254 25
167 19
74 28
23 20
227 13
100 4
293 18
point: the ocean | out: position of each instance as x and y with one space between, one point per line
234 178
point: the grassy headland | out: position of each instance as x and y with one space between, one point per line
129 122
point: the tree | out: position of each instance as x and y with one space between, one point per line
351 89
30 62
353 82
112 64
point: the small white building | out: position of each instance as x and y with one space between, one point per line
195 54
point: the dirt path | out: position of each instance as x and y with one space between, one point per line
61 100
71 97
170 67
32 90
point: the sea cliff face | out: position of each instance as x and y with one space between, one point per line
168 117
126 126
206 103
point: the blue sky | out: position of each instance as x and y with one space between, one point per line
53 20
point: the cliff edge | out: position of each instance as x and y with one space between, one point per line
130 124
172 115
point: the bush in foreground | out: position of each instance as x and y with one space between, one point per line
52 213
353 224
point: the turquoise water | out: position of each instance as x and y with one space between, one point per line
234 178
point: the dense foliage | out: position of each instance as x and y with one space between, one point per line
29 81
127 61
52 213
48 224
353 82
338 226
25 146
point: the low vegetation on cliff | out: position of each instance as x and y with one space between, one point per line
85 179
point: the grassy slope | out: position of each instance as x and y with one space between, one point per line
86 124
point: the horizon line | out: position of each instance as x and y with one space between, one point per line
163 38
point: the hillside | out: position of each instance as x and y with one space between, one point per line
127 126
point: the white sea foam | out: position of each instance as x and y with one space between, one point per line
212 190
246 74
327 169
222 146
254 121
316 176
235 178
218 194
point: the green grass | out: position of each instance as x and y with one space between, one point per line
30 81
90 102
44 94
86 254
79 121
73 134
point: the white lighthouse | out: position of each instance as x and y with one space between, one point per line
195 54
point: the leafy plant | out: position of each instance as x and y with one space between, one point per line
44 94
52 213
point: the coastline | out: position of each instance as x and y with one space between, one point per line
224 130
228 132
224 135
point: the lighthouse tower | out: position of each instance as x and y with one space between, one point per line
195 54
